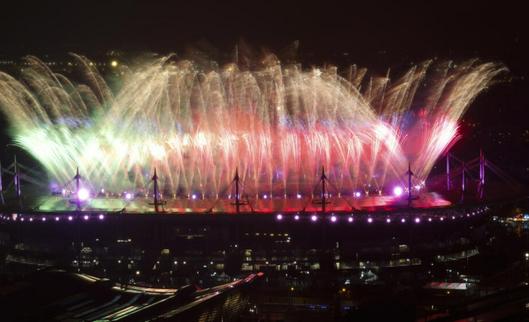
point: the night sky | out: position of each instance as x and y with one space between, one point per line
376 34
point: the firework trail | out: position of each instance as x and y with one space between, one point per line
277 124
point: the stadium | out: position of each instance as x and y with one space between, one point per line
184 173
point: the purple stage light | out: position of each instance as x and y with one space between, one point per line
83 194
397 191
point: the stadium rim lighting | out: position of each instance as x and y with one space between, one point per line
279 217
333 218
314 218
350 219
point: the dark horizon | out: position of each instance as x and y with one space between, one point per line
417 31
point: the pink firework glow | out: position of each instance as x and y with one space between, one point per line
277 124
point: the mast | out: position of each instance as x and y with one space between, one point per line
323 190
237 199
1 185
463 182
77 179
410 174
448 172
155 188
481 174
16 179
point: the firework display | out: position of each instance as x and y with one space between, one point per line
277 124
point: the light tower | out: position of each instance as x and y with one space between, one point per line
155 188
77 179
323 190
16 182
448 172
238 202
409 173
463 179
481 186
1 185
323 200
157 201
